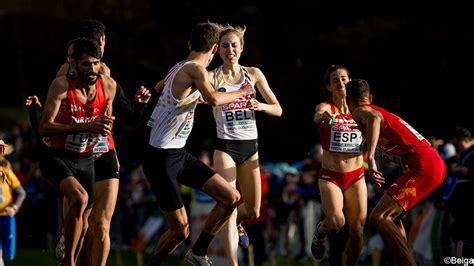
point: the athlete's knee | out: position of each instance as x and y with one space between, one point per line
335 223
377 219
232 199
253 213
101 230
356 232
180 232
79 199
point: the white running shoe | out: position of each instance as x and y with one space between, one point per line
59 251
192 259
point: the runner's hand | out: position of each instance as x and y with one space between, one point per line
33 101
142 95
375 174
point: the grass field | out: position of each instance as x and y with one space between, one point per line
39 257
42 257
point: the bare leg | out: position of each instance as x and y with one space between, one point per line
106 198
356 205
248 175
385 218
332 202
97 243
74 217
226 198
230 239
84 233
85 256
225 166
177 232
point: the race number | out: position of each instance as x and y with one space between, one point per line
77 142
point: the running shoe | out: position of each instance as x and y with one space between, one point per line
243 237
59 251
192 259
317 246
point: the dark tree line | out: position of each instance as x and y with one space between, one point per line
418 66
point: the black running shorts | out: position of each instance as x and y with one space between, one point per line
239 150
166 168
57 164
106 166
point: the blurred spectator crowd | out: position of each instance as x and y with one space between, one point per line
290 210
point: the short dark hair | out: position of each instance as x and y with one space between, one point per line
462 133
90 28
357 89
204 36
85 46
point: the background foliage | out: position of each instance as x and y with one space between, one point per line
419 66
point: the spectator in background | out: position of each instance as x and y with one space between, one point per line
12 196
3 146
310 212
458 203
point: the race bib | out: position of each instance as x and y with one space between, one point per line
186 127
412 130
345 139
77 142
102 145
382 156
237 117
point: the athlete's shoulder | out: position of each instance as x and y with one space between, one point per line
60 82
192 71
193 66
104 69
63 70
323 106
108 81
110 86
58 88
254 71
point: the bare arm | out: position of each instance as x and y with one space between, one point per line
199 77
272 106
20 195
160 85
56 93
34 109
322 113
110 91
63 70
372 121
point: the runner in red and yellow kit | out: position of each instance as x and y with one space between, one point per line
396 140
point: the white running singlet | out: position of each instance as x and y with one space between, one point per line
172 120
234 121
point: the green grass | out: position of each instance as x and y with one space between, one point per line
43 257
